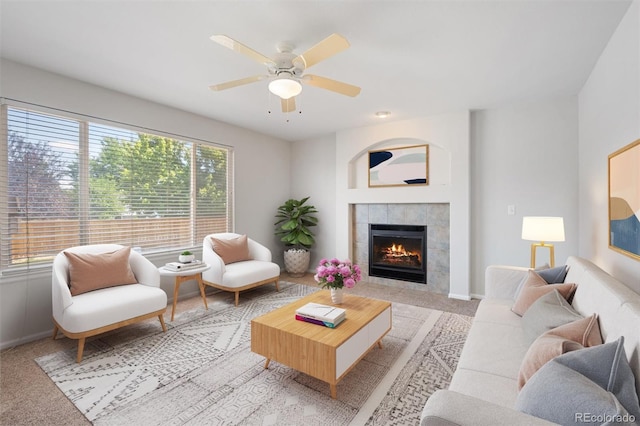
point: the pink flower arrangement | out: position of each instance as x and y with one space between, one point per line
335 273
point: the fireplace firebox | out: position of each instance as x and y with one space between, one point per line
398 252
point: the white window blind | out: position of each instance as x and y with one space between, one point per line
71 182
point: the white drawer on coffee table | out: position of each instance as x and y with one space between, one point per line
360 343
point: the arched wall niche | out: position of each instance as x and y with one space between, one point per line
448 136
439 162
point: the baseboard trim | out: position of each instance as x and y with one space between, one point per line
26 339
459 296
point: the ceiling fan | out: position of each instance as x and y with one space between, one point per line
286 69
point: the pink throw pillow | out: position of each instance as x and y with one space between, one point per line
88 271
231 250
569 337
534 287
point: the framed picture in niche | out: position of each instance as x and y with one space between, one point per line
624 200
401 166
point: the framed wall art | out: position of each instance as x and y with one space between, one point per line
624 200
402 166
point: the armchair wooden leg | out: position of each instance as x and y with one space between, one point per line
164 327
237 297
277 287
55 331
80 349
202 292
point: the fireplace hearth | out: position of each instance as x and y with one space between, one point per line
398 252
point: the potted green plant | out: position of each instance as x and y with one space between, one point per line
294 220
186 257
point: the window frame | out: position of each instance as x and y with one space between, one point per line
84 121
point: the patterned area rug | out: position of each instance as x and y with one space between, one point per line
202 371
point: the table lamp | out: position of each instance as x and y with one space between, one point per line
543 229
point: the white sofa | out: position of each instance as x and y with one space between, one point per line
483 390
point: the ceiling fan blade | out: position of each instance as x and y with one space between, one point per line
232 44
288 105
235 83
329 84
331 45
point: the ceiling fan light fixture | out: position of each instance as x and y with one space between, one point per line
383 114
285 88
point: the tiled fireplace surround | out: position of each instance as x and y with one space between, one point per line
434 215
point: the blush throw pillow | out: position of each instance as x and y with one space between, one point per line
535 287
538 269
569 337
88 271
231 250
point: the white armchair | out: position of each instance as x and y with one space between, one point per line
242 275
105 309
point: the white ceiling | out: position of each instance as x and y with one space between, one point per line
413 58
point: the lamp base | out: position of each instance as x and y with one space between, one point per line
534 246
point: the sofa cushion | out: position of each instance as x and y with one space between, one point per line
548 312
89 271
231 250
566 338
497 311
594 381
240 274
494 348
99 308
535 287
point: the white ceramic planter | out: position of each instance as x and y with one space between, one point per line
297 262
186 258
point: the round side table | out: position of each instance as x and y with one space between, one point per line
182 276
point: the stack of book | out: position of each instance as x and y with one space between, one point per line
179 266
315 313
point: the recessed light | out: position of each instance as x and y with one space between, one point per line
383 114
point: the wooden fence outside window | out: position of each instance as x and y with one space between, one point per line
41 240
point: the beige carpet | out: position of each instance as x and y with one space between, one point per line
28 396
205 358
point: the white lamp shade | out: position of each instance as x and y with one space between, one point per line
537 228
285 88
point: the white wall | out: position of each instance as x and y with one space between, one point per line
261 170
522 155
609 117
313 174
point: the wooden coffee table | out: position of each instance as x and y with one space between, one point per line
325 353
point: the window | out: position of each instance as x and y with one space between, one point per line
71 182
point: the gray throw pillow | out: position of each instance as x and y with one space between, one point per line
548 312
583 386
554 275
560 395
608 367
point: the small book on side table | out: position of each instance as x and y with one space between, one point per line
178 266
